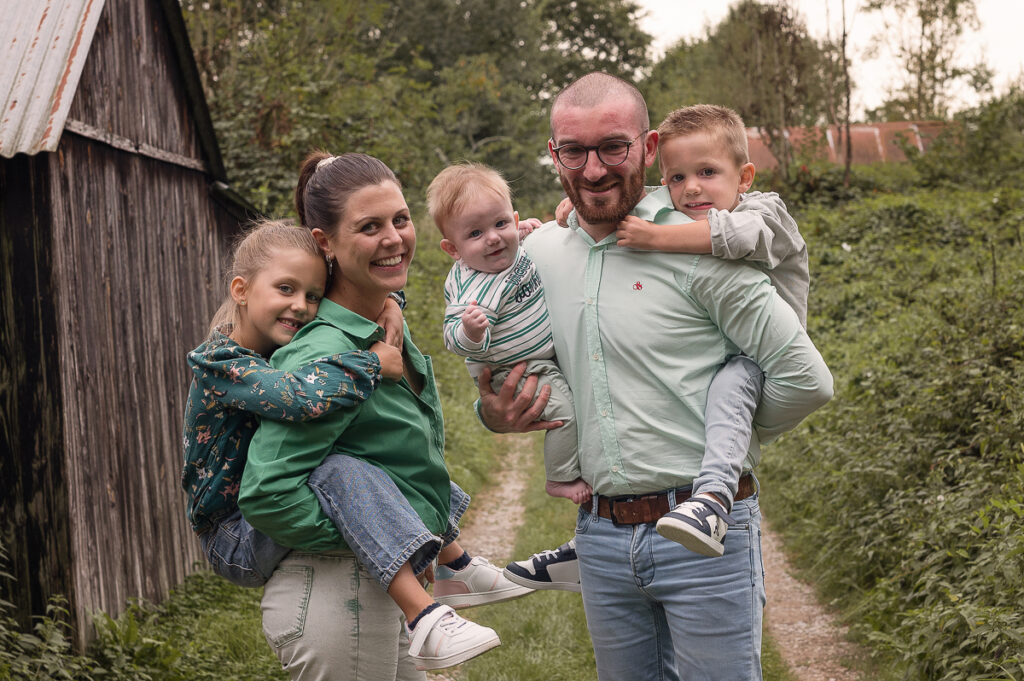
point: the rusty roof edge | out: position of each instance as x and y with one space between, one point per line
45 43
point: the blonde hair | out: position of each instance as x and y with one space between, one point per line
712 119
253 249
456 186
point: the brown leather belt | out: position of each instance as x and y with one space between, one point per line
649 508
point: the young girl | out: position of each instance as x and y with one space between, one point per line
277 278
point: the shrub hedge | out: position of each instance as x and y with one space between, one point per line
905 495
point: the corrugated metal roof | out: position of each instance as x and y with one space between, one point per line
43 46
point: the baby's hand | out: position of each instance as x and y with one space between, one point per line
390 360
562 212
527 226
633 232
475 322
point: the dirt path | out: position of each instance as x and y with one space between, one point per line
810 641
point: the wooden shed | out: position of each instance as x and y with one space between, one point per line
114 217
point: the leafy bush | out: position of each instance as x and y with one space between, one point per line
906 494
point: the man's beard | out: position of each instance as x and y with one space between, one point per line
631 191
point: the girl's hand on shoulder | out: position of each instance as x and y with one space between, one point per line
391 320
391 366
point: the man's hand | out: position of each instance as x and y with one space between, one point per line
474 321
633 232
391 319
507 412
562 212
390 360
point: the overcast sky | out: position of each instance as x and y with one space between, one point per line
998 41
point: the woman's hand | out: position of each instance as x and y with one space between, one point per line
392 320
390 360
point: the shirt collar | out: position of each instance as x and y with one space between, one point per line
654 204
352 324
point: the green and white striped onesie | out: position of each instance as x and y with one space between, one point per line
513 301
519 331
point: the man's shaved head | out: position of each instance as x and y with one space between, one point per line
598 88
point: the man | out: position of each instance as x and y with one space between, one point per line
639 336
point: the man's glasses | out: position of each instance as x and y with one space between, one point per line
610 153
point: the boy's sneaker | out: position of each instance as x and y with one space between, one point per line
558 569
699 524
478 583
443 639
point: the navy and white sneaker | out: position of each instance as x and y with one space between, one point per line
558 569
699 524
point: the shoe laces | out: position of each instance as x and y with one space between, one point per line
451 623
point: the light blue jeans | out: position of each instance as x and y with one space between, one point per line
728 423
326 620
373 516
659 612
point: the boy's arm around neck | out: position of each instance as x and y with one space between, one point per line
760 229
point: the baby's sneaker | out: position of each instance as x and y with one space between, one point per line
443 639
557 569
478 583
699 524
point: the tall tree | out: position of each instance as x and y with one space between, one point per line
760 61
926 37
420 83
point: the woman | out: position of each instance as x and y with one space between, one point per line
322 613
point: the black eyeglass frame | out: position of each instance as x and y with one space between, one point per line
597 150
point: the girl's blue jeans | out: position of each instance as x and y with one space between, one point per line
373 516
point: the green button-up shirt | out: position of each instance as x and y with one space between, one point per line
640 334
395 429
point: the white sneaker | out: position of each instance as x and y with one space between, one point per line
557 569
699 524
478 583
443 639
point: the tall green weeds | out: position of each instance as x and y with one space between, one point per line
906 494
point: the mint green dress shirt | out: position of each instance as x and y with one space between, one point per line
395 429
639 336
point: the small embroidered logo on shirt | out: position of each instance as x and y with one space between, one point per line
638 286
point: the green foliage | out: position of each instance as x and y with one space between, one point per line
759 61
419 84
905 495
983 148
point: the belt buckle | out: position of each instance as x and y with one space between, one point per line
612 503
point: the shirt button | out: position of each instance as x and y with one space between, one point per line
590 301
597 356
604 412
616 469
